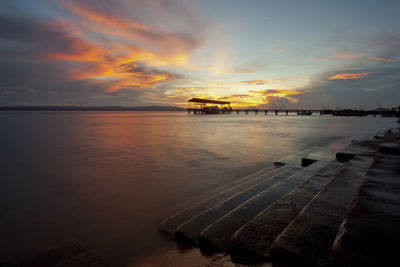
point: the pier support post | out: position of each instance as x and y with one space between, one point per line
247 112
255 112
298 113
287 112
266 112
237 112
320 113
276 112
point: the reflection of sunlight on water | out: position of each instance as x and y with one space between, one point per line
109 178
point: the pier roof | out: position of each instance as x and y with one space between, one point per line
208 101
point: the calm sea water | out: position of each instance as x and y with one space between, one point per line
109 178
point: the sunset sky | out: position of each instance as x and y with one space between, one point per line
269 54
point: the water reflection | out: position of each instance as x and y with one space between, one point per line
109 178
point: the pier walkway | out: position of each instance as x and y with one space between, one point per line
374 113
208 106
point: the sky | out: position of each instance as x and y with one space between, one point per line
266 54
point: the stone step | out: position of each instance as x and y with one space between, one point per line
389 147
370 234
308 239
218 235
170 224
321 153
255 237
190 230
92 258
354 149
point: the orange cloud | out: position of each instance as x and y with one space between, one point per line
346 76
79 50
129 30
122 64
343 54
262 82
135 54
382 59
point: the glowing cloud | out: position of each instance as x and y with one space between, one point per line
342 54
382 59
115 50
346 76
261 82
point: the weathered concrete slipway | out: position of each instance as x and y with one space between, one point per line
336 205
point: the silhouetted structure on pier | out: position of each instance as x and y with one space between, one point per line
208 106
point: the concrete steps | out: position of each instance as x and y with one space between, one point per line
220 232
233 207
170 224
309 237
190 230
255 237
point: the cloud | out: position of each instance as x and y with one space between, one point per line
382 59
93 49
346 76
278 102
283 46
86 59
279 49
34 39
5 91
255 82
234 96
228 25
341 54
269 92
361 92
111 21
262 82
138 76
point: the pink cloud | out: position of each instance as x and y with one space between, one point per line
382 59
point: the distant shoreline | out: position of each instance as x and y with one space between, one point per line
80 108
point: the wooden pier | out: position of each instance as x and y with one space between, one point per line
207 106
200 111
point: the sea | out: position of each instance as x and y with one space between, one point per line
110 177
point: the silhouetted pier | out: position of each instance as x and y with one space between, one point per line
202 107
200 111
